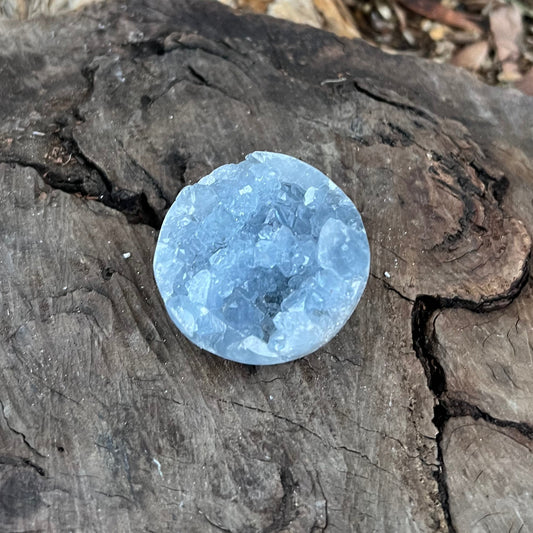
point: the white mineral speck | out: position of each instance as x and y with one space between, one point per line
158 464
126 255
119 75
387 275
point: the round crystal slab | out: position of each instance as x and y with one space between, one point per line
262 262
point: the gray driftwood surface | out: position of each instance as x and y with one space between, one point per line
417 417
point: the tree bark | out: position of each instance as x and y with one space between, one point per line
416 417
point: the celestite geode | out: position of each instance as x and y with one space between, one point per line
262 262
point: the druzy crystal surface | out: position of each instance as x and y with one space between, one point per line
262 262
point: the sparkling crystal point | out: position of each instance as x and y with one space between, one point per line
262 262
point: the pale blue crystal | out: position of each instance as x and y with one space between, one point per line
262 262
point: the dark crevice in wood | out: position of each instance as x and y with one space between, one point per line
454 407
88 73
154 183
446 409
134 206
71 145
107 273
19 433
149 47
498 186
402 137
287 510
197 76
215 525
389 287
82 176
422 113
199 79
425 343
439 420
21 462
423 334
467 192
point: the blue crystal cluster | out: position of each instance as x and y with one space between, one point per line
262 262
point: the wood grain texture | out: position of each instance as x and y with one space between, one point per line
488 358
479 459
111 420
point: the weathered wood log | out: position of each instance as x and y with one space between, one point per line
416 417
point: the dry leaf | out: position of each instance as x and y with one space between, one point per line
509 73
27 9
229 3
257 6
506 29
526 83
299 11
476 5
472 56
384 10
337 18
434 10
462 38
438 32
443 51
400 15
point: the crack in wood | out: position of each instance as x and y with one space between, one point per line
214 524
374 95
453 407
20 434
80 175
21 462
389 287
424 313
134 206
200 80
313 433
